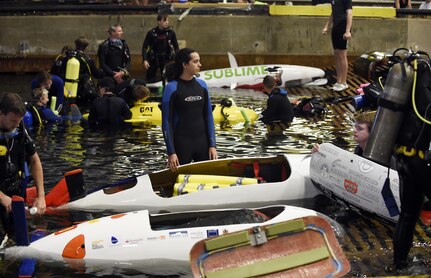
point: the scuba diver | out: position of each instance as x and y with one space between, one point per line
279 109
51 82
413 155
85 71
159 48
57 67
41 114
403 126
17 149
108 110
114 55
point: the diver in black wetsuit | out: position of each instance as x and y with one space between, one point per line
278 106
88 70
114 54
187 120
18 155
109 110
413 153
159 48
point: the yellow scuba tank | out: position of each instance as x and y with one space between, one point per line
390 113
72 77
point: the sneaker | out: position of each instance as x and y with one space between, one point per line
340 87
336 85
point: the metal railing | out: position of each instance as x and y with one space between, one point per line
19 7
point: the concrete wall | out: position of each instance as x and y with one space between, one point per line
254 39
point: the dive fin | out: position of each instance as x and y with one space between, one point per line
19 221
75 113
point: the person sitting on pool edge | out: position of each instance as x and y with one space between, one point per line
361 132
108 110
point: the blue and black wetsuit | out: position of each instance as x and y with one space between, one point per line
56 90
187 120
278 108
47 115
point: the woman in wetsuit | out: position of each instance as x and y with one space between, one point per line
187 120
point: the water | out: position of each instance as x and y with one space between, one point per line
108 157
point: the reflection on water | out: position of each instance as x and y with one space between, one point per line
108 157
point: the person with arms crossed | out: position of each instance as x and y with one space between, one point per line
341 20
159 48
114 54
187 120
16 150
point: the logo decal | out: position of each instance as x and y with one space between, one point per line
351 186
114 240
193 98
212 233
97 244
365 167
178 234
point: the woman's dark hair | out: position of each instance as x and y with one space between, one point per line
175 69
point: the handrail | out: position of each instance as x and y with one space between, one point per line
55 6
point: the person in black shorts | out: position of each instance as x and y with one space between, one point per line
341 20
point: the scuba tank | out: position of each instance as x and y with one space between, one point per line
391 109
72 77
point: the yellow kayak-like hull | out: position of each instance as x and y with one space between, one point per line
150 112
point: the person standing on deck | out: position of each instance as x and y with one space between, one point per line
159 48
341 20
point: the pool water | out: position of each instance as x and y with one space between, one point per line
107 157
